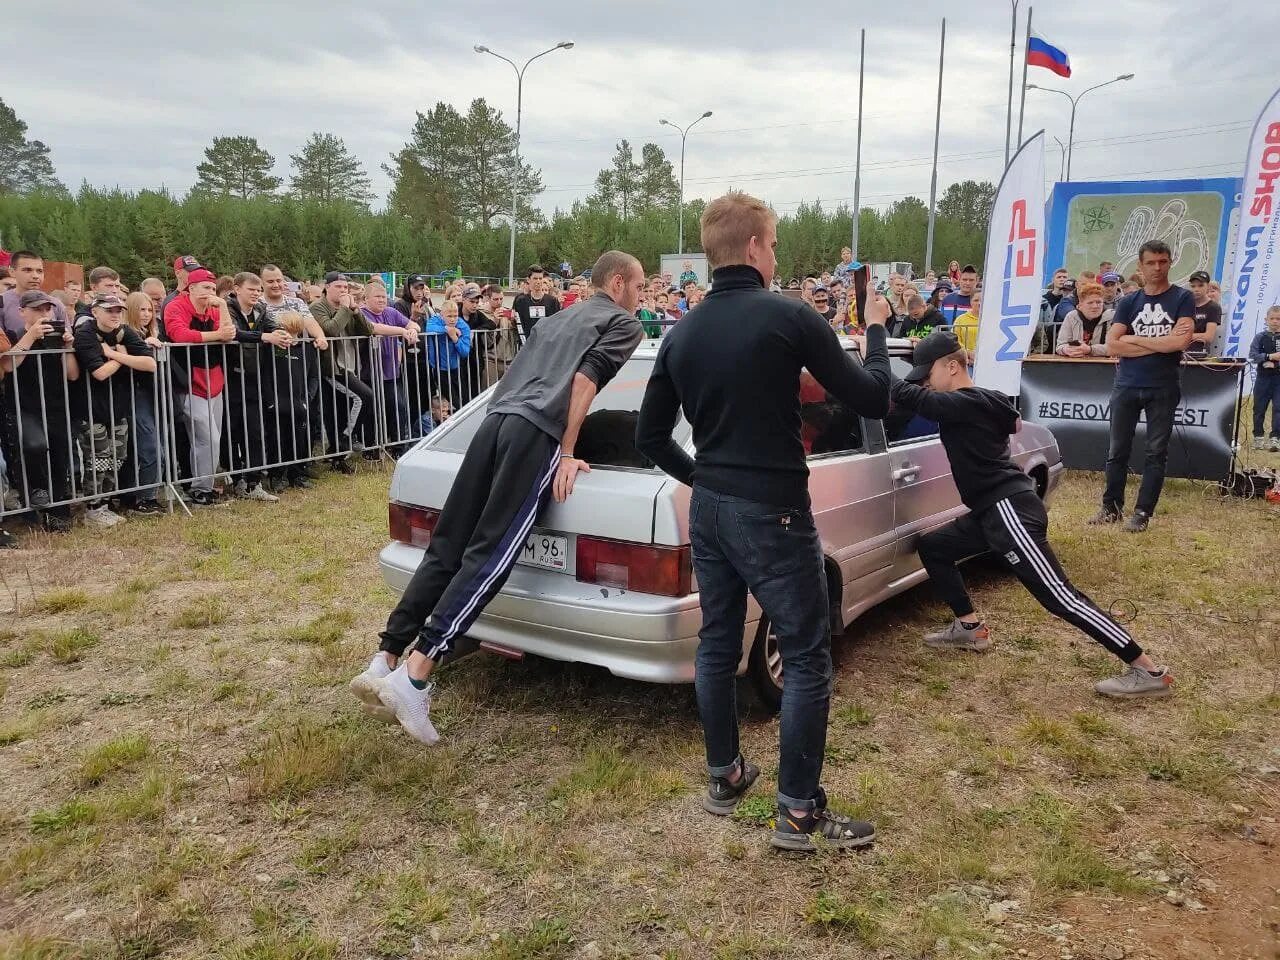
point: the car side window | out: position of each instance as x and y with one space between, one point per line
902 425
827 426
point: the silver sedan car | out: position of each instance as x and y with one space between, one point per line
606 577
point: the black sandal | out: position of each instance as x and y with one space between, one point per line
837 831
723 796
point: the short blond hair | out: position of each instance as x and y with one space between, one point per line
291 321
729 223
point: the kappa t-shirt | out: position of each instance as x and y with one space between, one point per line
1146 315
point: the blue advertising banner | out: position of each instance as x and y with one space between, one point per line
1090 223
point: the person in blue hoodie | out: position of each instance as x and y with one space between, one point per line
448 344
1265 353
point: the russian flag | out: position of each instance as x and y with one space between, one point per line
1041 53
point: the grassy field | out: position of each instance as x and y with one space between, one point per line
184 774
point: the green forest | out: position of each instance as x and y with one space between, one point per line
449 206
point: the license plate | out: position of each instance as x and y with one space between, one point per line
550 553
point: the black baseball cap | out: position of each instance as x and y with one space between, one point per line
939 344
333 276
1201 276
417 279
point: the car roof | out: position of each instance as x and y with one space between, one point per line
648 349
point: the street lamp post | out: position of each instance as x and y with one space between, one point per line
1062 157
684 133
1075 102
515 172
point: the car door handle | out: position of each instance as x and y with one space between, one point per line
906 473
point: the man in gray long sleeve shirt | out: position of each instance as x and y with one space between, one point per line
523 450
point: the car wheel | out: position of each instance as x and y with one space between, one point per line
764 667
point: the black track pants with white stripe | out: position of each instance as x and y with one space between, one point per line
1015 529
504 480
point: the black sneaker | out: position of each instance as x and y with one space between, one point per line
344 466
55 523
1137 522
204 498
371 455
301 482
838 832
146 508
1104 516
7 540
722 796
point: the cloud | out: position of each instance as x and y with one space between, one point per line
137 105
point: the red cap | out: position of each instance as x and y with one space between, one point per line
201 275
185 262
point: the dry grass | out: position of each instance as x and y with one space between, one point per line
179 757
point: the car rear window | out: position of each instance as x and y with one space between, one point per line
608 435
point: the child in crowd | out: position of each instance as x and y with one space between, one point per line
1265 352
1006 517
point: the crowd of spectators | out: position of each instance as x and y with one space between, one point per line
271 378
243 385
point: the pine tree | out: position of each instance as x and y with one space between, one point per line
423 186
24 164
618 185
236 167
658 186
325 171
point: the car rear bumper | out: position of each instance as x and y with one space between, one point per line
633 635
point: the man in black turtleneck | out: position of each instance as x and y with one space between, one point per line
734 366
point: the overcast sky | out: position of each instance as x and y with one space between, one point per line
136 104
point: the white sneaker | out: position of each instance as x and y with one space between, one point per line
102 517
259 492
364 686
412 706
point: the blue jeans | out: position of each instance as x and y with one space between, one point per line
147 440
741 545
1127 405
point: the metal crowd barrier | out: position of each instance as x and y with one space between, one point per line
277 411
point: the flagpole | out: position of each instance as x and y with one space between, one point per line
937 133
1023 106
1013 48
857 163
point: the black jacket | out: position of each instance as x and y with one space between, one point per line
733 364
975 424
250 357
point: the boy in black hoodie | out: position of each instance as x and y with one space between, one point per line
1006 517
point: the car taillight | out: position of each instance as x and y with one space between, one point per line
412 525
641 567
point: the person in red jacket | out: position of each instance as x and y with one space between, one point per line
199 317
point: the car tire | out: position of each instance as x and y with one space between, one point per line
764 667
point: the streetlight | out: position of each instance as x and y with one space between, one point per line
1062 157
1075 101
683 134
515 172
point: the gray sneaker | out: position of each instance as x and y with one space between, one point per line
1138 522
1275 444
1259 443
957 636
1136 682
1104 516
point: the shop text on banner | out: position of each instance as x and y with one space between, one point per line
1011 274
1255 287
